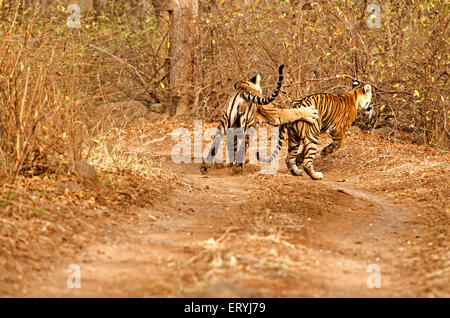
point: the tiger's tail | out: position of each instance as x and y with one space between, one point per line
276 150
249 97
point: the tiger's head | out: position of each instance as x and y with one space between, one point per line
363 97
252 85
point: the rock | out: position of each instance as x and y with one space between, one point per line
85 172
159 108
385 131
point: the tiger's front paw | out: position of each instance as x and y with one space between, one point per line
296 172
309 114
316 175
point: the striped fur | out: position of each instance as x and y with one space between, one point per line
251 93
240 113
336 114
247 108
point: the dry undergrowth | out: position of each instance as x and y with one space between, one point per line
51 215
42 221
52 80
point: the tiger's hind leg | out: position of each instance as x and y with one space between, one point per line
241 145
238 165
239 149
309 153
293 149
207 164
300 156
209 161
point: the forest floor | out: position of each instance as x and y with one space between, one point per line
177 233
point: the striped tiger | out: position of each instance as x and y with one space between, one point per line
247 108
336 114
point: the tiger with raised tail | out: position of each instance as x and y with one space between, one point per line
336 114
247 108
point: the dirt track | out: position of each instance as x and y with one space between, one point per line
252 235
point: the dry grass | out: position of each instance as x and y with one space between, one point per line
326 44
51 84
53 78
54 215
42 222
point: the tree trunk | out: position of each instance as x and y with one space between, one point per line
182 38
161 11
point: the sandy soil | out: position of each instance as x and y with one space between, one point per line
250 235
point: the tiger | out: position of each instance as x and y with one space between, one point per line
247 108
336 114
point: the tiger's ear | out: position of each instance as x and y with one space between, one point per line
236 84
355 84
256 79
367 89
